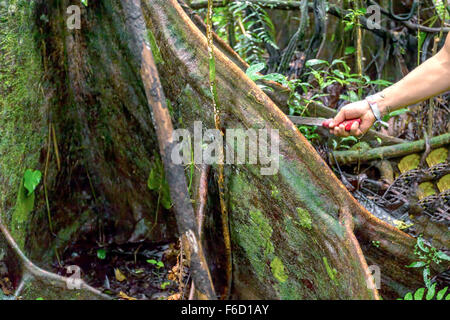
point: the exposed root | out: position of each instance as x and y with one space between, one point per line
187 224
56 286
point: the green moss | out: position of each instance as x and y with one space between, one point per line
250 229
22 126
254 237
265 230
277 268
305 218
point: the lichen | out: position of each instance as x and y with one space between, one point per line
277 268
304 218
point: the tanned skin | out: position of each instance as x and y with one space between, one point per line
429 79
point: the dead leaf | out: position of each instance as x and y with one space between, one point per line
123 295
172 276
119 275
4 284
444 183
425 189
175 296
437 156
410 162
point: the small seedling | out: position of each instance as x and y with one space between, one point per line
158 264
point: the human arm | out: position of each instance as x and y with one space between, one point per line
429 79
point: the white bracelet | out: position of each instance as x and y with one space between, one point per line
371 100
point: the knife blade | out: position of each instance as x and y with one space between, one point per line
321 122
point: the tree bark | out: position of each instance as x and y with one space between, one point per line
293 233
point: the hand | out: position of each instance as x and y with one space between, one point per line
357 110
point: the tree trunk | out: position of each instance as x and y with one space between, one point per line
292 233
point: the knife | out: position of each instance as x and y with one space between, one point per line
321 122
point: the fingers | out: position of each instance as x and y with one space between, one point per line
357 110
340 131
340 117
355 130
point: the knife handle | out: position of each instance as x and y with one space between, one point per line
347 123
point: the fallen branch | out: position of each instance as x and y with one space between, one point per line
200 194
399 150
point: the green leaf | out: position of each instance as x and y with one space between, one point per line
426 277
252 71
418 295
441 255
101 254
344 64
421 244
157 182
441 293
275 77
431 291
85 2
31 180
381 82
315 62
154 179
409 296
165 284
349 50
447 297
339 73
349 139
166 201
417 264
158 264
395 113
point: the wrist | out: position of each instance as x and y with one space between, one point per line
378 108
380 100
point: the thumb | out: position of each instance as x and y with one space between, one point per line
340 117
